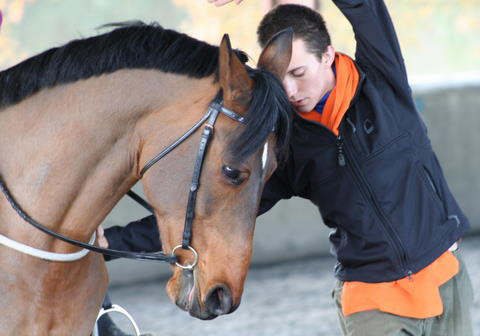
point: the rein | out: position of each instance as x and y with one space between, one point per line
86 246
215 108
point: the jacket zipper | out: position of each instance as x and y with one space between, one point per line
432 185
367 191
434 190
340 155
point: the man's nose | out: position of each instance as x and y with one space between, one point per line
290 88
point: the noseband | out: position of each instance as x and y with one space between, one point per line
209 118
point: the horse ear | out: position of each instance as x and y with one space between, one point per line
233 77
277 53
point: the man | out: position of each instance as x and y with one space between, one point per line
360 152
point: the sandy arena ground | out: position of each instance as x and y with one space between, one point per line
288 299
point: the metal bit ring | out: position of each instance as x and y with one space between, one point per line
188 266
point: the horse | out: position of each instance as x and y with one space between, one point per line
77 124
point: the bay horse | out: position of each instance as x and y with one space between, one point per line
78 123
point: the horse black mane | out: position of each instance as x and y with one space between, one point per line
269 110
133 45
136 45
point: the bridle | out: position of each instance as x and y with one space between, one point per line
215 108
209 118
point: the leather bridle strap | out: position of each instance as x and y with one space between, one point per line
192 196
216 107
137 198
174 144
114 253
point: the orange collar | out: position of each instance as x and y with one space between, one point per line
342 94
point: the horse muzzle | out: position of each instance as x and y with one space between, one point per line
218 300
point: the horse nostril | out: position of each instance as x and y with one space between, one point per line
219 300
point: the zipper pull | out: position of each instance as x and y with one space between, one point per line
340 155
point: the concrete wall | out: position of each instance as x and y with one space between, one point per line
452 115
293 229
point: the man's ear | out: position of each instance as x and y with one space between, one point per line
233 77
329 55
277 53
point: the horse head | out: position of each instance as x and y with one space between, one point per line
238 162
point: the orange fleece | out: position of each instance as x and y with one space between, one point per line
342 94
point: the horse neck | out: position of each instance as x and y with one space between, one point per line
76 145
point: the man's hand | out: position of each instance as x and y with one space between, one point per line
219 3
101 240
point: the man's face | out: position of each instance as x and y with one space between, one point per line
308 79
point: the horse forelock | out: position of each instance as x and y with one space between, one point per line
132 46
269 110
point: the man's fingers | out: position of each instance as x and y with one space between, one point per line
101 240
219 3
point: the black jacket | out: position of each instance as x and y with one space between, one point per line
378 185
138 236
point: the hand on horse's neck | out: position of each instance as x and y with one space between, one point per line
76 145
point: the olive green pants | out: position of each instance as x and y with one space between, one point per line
457 297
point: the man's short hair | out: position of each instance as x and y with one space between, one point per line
307 24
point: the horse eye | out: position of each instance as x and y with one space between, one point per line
233 175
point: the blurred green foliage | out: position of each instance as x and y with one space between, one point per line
436 36
32 26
